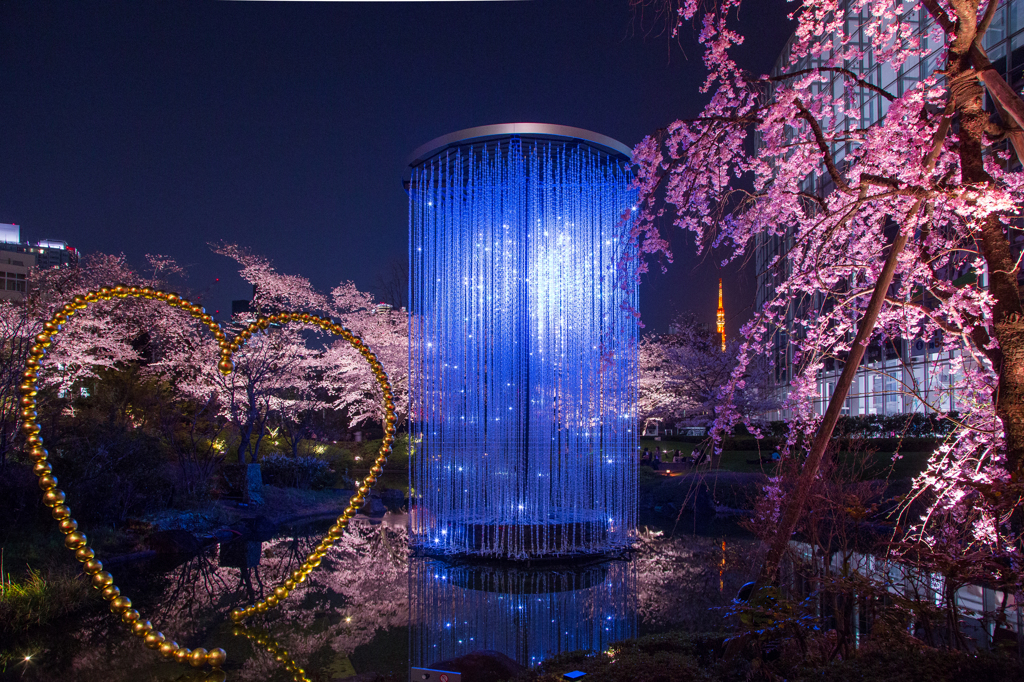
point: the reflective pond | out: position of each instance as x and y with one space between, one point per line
373 608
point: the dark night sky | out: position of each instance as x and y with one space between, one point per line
156 127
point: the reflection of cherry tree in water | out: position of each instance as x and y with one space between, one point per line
683 580
360 589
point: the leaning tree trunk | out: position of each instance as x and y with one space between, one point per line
797 499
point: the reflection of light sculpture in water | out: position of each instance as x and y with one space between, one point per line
522 345
526 614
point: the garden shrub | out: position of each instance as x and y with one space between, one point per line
296 472
111 473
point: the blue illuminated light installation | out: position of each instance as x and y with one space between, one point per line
522 348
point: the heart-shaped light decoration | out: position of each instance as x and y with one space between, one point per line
77 542
263 639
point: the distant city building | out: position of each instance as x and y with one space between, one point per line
17 258
721 315
241 306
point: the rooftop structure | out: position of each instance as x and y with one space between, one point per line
16 259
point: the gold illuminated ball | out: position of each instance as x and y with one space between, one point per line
297 576
102 580
154 639
38 454
110 592
83 554
40 468
262 607
167 648
47 481
130 616
120 604
237 615
67 525
75 539
182 653
226 366
272 600
216 657
61 511
141 627
197 659
92 567
53 497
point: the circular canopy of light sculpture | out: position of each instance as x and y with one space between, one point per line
522 343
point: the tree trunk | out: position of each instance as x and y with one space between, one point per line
798 498
966 63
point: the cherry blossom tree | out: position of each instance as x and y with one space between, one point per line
680 375
101 337
657 397
880 222
291 373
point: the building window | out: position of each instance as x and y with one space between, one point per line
13 281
